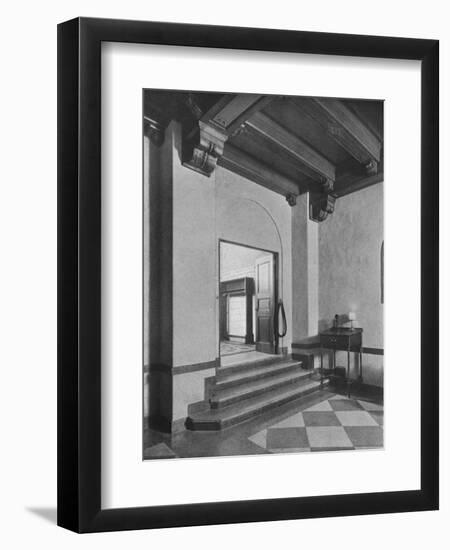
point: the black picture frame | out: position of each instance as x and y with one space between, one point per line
79 274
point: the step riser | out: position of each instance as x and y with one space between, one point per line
220 424
218 403
257 376
223 372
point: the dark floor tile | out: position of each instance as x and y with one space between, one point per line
327 449
153 437
320 419
287 438
345 405
161 450
378 416
365 436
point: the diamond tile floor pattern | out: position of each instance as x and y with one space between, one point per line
320 422
334 424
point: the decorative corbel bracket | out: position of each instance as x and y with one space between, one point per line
320 206
291 199
371 167
154 130
203 147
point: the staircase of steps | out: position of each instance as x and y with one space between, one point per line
248 389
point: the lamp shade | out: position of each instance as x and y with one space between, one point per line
351 316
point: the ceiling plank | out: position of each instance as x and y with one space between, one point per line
346 128
319 168
239 162
347 184
351 177
233 110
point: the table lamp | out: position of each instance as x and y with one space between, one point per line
351 318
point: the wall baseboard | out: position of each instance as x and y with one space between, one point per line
364 390
165 425
315 345
182 369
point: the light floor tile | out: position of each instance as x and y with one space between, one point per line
330 436
295 421
292 450
160 450
320 418
355 418
320 407
260 438
337 396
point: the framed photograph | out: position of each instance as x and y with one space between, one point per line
247 276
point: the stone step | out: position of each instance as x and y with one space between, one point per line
242 366
218 419
224 397
257 373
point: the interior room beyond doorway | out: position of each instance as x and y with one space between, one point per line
247 301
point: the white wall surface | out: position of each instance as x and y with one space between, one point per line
28 296
349 261
237 261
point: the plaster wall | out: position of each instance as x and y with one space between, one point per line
223 206
305 276
350 270
249 214
237 261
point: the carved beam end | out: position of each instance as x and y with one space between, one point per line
203 148
321 206
291 199
371 168
327 185
154 130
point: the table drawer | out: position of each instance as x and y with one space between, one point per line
334 342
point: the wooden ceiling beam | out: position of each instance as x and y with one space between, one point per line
350 179
346 128
237 161
233 110
204 142
316 166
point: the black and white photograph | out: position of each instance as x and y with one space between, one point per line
225 267
263 274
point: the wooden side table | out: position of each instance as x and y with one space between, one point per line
341 339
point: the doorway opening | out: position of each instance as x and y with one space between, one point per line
247 301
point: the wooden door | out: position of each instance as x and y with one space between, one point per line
265 303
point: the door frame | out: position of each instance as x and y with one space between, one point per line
276 264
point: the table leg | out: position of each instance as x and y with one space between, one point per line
334 361
360 365
348 372
321 368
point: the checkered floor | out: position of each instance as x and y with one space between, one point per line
334 424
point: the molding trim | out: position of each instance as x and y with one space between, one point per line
306 345
316 345
181 369
165 425
373 351
363 390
